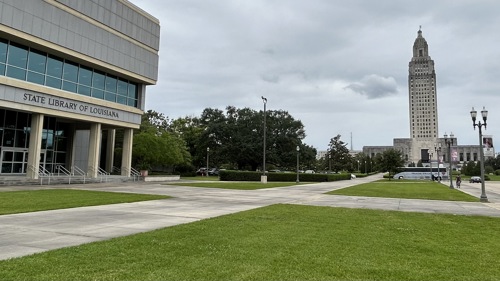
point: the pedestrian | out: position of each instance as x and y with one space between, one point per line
459 180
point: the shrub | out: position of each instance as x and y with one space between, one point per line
281 177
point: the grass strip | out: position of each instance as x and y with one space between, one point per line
237 185
13 202
406 189
285 242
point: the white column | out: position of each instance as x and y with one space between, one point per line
110 150
94 149
128 137
35 146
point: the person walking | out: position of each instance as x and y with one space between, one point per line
459 180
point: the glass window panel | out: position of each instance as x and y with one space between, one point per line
110 97
17 168
61 157
3 50
8 156
122 87
19 156
132 102
98 93
18 55
6 168
20 140
54 67
121 99
111 84
37 61
70 71
69 86
2 69
85 76
132 91
16 72
10 119
22 120
84 90
35 77
48 156
8 138
98 80
61 144
53 82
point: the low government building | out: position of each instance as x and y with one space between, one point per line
72 73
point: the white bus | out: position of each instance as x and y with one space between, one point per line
422 173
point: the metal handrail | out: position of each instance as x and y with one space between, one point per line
136 174
77 170
103 173
61 169
115 169
42 172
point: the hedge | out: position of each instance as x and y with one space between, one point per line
281 177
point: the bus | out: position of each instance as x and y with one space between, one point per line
422 173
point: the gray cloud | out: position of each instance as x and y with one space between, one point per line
374 86
304 56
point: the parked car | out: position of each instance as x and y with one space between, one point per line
475 179
213 172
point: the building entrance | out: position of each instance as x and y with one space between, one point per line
15 161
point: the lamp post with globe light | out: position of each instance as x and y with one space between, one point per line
263 178
449 143
298 150
484 114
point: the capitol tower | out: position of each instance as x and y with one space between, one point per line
422 101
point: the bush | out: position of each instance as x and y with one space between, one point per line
281 177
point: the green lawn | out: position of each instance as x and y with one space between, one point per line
406 189
237 185
285 242
13 202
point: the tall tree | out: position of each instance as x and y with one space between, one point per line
391 161
338 154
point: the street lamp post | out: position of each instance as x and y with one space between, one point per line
263 178
329 161
449 143
208 150
437 149
298 150
430 165
484 114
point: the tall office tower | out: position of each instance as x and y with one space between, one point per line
423 101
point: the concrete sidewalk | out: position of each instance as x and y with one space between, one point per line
28 233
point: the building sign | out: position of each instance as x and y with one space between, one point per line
488 149
68 105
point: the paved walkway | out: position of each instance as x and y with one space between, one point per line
28 233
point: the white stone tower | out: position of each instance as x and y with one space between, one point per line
423 101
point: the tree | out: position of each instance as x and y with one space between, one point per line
391 161
338 154
155 146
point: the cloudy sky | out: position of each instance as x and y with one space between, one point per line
340 67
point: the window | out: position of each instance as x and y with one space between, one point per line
85 76
21 62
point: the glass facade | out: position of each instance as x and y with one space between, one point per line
28 64
15 130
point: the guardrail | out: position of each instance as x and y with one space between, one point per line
42 172
62 170
102 173
77 171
